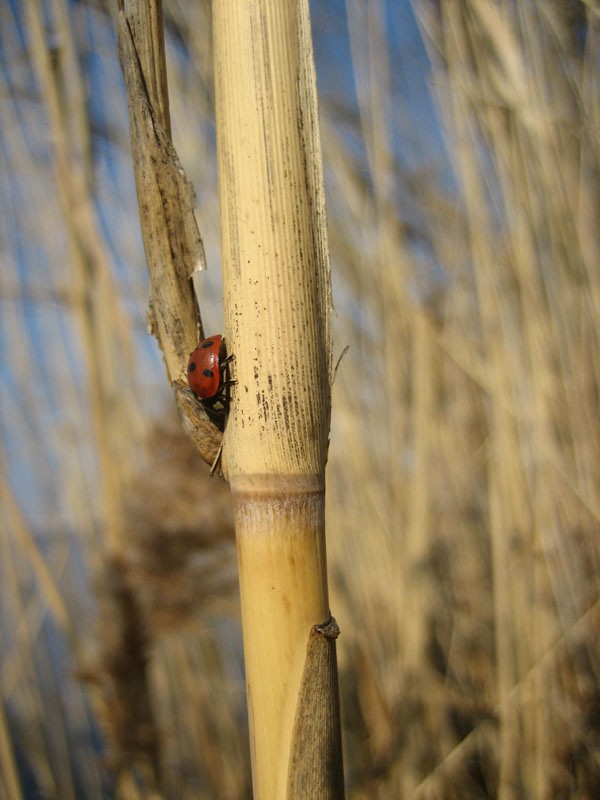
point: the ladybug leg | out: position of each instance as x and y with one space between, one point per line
223 394
224 368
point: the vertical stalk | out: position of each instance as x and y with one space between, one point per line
277 311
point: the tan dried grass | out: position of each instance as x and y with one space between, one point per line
464 497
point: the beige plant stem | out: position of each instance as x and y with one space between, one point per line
277 311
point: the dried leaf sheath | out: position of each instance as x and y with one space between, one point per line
316 768
172 240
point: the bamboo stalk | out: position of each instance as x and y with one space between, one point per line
277 310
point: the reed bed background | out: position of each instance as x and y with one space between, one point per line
462 167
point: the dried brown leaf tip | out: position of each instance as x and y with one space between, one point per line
166 200
205 434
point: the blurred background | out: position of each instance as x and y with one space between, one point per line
461 155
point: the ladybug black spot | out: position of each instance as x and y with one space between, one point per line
208 373
207 343
191 367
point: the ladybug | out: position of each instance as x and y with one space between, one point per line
208 372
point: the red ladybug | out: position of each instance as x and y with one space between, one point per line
208 371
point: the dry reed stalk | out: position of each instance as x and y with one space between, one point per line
41 223
510 93
108 354
497 465
501 446
418 534
9 774
24 681
394 372
277 310
45 580
49 619
98 311
526 395
203 735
